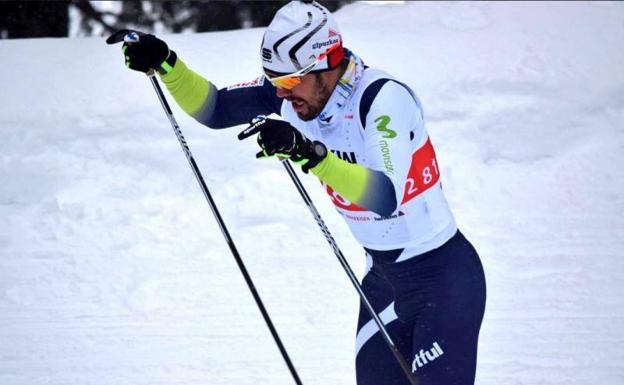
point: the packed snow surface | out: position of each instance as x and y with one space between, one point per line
113 270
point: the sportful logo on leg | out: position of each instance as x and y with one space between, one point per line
424 357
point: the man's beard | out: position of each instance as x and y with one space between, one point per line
316 105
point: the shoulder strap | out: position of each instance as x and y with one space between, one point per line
367 98
370 93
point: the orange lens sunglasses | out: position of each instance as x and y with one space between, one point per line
290 81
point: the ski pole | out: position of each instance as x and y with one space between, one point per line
226 234
384 332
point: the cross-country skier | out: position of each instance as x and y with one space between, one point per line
362 134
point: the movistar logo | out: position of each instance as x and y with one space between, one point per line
385 154
382 126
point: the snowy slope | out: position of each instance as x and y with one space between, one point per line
113 271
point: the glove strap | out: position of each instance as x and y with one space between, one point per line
167 65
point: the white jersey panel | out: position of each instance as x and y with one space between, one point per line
395 142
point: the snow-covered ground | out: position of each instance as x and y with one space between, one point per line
113 270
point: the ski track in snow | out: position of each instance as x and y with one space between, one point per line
113 270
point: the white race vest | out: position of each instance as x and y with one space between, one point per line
393 141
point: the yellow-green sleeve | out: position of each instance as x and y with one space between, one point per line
369 189
194 94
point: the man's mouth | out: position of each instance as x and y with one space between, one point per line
298 104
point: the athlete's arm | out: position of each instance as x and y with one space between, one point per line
393 128
222 108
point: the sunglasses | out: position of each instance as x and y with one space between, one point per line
289 81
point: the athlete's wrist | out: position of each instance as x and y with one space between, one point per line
168 64
323 167
177 70
315 153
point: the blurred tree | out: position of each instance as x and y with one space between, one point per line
19 19
51 18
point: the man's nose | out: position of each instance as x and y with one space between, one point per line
282 93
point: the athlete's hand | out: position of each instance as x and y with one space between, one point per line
144 52
277 137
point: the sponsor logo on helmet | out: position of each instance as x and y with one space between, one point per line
332 33
327 43
267 55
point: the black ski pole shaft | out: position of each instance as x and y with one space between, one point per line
343 261
226 234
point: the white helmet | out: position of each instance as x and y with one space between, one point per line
299 32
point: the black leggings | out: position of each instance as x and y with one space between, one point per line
432 305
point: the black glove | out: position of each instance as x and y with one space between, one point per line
277 137
144 52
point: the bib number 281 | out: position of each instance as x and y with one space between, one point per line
423 172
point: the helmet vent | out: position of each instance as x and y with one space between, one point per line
293 51
296 31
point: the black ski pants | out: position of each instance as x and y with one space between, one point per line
432 305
